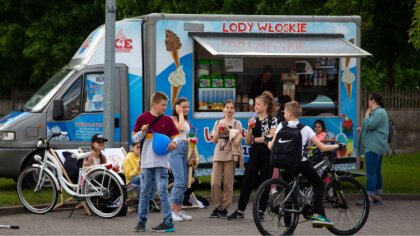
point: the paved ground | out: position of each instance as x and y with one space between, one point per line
396 217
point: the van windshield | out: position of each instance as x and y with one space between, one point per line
38 101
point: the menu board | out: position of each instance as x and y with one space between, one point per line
235 64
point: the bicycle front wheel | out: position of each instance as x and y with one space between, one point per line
36 190
113 194
274 213
346 203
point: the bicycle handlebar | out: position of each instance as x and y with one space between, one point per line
42 141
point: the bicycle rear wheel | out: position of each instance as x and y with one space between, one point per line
36 190
273 213
348 208
113 197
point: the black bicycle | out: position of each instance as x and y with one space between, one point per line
278 204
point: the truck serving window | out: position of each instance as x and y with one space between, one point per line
38 101
313 82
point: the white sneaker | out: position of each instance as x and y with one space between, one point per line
176 217
185 216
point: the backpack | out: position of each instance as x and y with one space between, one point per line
287 148
72 166
391 131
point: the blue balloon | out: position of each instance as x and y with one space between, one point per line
160 144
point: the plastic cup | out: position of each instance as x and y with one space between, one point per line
194 140
252 122
221 129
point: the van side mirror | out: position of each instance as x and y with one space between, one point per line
58 109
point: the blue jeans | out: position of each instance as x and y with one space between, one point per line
374 173
134 185
178 162
149 176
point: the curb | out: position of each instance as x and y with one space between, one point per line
14 210
4 211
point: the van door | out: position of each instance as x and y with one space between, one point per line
78 109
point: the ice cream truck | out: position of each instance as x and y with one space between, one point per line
207 59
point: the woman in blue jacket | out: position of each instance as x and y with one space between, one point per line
374 144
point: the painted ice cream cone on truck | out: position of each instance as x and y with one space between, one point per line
348 78
177 77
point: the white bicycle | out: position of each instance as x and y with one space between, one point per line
38 186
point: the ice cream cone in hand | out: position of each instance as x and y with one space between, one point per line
176 78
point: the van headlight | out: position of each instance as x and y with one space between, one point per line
7 135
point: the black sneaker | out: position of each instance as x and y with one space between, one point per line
215 213
223 214
140 227
236 215
163 228
186 202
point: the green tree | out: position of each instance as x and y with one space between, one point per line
39 37
414 32
384 34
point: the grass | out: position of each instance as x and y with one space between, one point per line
400 175
8 194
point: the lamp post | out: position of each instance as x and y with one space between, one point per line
109 84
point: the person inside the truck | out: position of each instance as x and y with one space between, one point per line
262 83
280 112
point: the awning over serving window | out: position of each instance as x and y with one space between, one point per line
257 45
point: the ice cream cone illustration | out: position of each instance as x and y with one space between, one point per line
348 78
176 78
175 57
349 88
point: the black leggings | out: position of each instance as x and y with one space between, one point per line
259 163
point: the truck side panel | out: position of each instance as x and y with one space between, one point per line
167 69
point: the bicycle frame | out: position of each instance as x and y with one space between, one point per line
61 182
305 199
295 198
